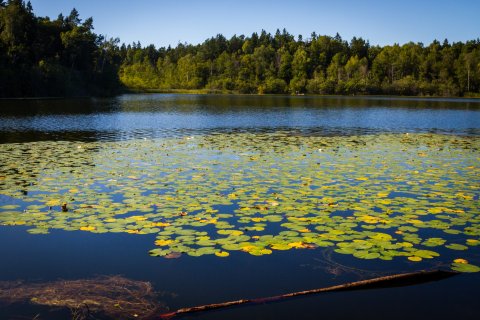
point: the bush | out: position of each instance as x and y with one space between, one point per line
315 86
245 87
297 85
275 86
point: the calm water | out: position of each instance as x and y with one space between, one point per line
157 115
190 281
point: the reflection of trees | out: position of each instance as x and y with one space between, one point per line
218 104
49 107
19 119
153 115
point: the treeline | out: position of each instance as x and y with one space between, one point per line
278 63
43 57
62 57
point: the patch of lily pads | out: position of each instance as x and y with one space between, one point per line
384 196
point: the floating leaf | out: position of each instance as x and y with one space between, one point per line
162 242
473 242
158 252
414 258
460 261
366 255
456 246
9 206
433 242
365 196
53 202
222 254
465 267
38 231
87 228
173 255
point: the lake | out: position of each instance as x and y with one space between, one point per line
211 198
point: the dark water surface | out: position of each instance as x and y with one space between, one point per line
190 281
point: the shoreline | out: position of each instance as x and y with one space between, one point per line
233 93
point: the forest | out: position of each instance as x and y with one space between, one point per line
40 57
64 57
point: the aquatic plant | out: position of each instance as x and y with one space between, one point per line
113 296
385 196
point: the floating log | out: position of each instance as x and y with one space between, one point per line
396 280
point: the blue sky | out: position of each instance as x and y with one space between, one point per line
168 22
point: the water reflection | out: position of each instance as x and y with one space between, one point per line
165 115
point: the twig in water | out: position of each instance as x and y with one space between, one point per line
396 280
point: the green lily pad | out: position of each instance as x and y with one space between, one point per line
456 246
254 192
465 267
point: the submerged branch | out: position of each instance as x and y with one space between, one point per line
396 280
113 296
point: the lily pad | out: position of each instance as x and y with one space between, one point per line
256 193
464 267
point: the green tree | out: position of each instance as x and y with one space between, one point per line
17 32
385 67
79 43
39 56
299 71
263 57
283 60
467 70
